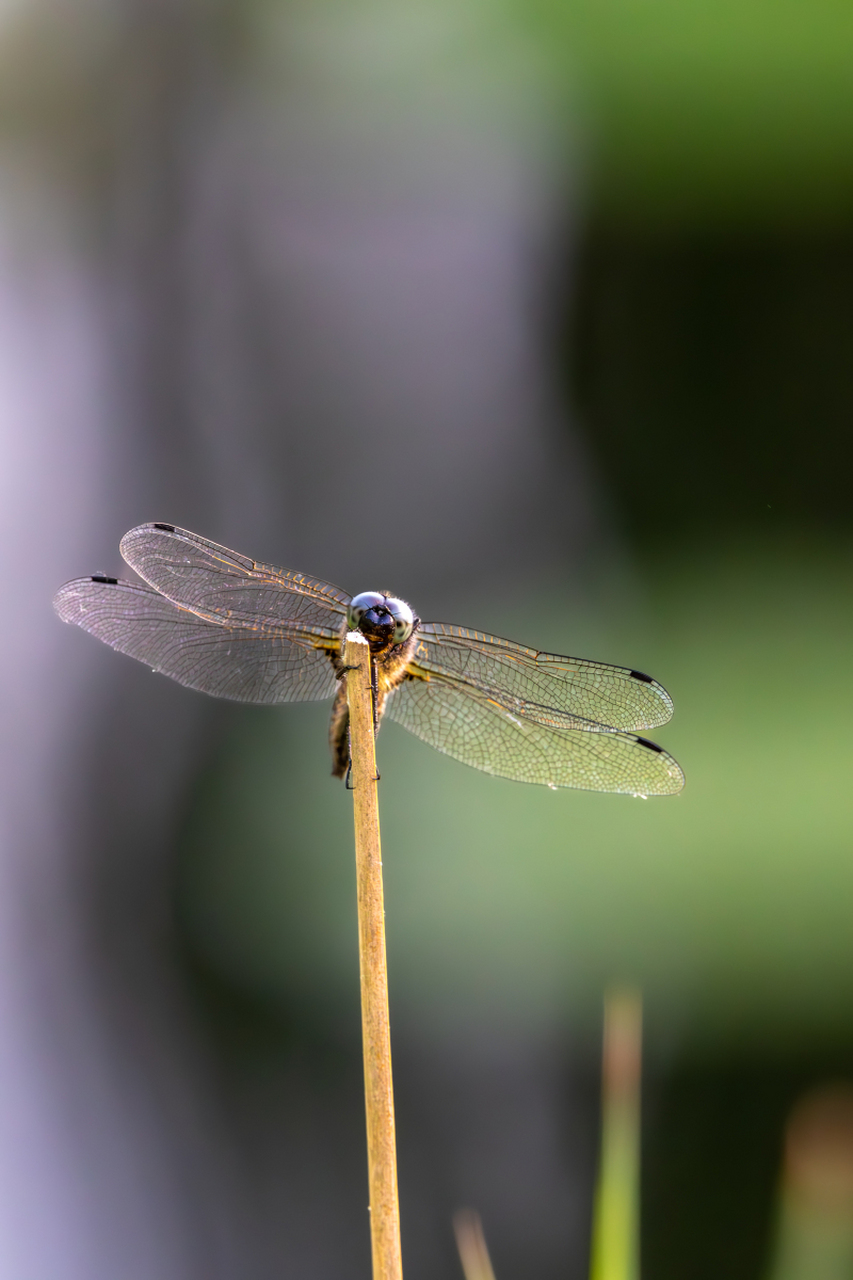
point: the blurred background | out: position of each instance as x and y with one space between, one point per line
563 291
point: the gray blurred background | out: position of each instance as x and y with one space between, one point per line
541 318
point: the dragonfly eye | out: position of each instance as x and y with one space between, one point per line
404 619
360 605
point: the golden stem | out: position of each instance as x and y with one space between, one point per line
471 1243
376 1035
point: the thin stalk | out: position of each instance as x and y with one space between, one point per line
616 1222
814 1228
376 1034
471 1243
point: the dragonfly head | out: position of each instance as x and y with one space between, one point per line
383 620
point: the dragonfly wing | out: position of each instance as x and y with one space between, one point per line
531 684
231 662
223 586
472 728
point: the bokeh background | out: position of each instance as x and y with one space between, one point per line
541 316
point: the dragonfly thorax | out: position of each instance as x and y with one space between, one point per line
383 620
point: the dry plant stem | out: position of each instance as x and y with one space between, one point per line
471 1243
376 1036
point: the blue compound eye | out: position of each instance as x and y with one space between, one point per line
404 619
360 605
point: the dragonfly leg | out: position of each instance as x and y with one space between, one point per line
377 777
339 729
374 689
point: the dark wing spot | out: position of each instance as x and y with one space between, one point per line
167 528
639 675
652 746
102 577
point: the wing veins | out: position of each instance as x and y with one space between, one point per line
537 684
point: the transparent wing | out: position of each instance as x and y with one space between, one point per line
533 684
231 662
467 725
226 587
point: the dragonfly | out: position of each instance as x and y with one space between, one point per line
219 622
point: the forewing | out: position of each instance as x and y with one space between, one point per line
224 586
230 662
533 685
468 726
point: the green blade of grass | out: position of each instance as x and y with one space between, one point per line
616 1228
